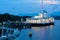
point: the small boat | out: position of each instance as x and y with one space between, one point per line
8 33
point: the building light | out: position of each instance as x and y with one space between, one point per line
4 22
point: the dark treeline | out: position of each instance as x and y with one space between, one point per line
7 16
57 17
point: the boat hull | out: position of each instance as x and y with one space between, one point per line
45 24
39 24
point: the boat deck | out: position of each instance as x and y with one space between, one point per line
38 24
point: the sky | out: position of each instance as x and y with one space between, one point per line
28 7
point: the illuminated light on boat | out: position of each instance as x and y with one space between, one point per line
36 17
47 20
41 15
51 19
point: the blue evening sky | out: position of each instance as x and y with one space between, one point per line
28 7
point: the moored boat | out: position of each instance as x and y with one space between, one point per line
42 20
8 33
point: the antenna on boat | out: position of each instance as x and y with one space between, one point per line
42 8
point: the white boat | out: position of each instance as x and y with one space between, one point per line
41 20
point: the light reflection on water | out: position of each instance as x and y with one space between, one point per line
42 32
51 32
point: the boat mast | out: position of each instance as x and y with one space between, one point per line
42 8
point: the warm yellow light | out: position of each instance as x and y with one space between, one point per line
47 20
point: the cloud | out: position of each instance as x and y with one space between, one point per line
29 1
51 2
38 1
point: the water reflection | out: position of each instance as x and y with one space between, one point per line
51 32
44 32
38 33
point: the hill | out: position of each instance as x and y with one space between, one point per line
7 16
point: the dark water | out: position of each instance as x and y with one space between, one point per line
41 33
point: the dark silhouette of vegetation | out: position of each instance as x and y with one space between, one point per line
8 17
57 17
